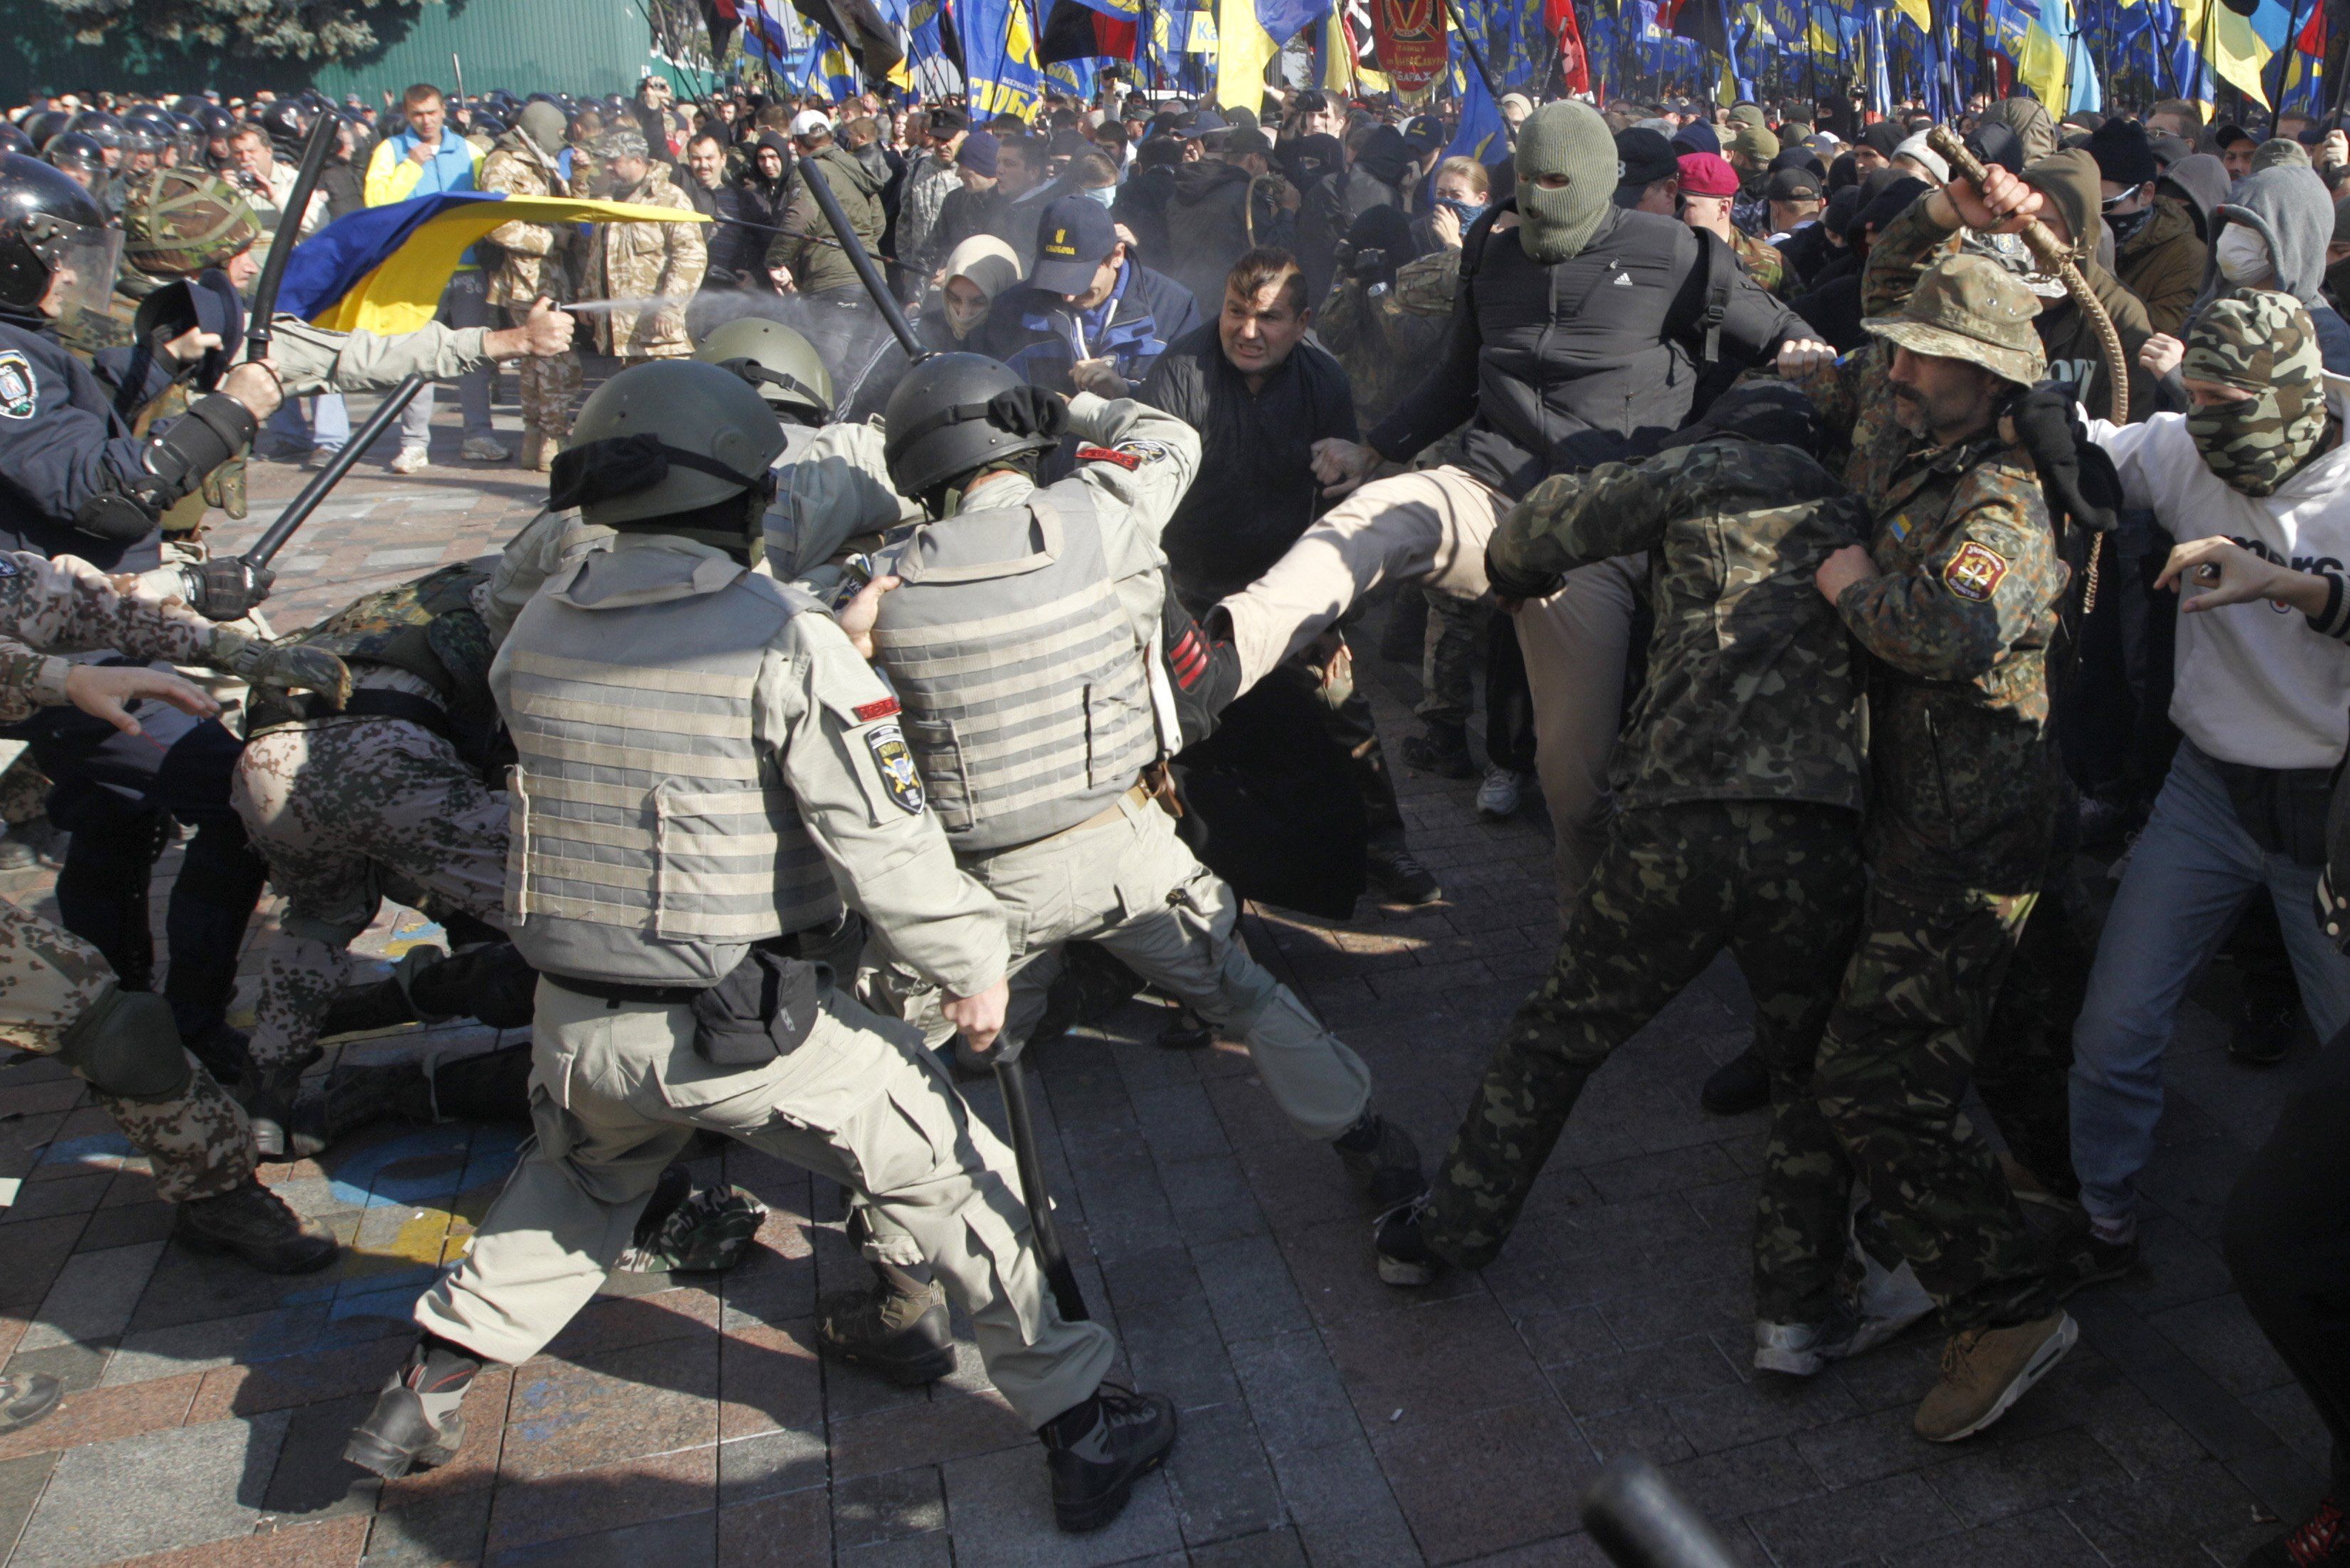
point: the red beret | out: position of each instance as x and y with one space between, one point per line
1707 174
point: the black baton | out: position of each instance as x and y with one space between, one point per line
323 134
297 511
1641 1522
1057 1271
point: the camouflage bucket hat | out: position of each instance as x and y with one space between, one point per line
184 221
1971 308
2265 344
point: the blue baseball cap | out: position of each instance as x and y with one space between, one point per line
1074 237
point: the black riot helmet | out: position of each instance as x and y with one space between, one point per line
46 218
14 140
940 433
288 125
48 123
99 126
76 154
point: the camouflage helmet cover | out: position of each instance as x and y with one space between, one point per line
182 221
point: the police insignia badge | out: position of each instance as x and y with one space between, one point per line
20 394
1974 572
895 761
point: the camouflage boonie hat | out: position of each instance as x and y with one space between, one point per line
1970 307
182 220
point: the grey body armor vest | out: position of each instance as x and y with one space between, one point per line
1026 703
651 843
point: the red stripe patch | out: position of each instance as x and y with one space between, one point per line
1190 659
1125 460
869 711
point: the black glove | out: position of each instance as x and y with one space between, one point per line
2076 478
1507 586
1029 410
227 588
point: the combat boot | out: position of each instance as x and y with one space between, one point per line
898 1328
269 1096
690 1230
1405 1257
360 1095
538 453
1382 1160
253 1223
415 1425
1098 1449
1986 1370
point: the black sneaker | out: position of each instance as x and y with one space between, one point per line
2322 1540
253 1223
898 1328
1121 1436
1739 1085
1403 1257
1400 877
415 1425
1382 1160
26 1397
2265 1025
2084 1258
1443 751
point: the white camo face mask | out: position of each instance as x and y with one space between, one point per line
2244 256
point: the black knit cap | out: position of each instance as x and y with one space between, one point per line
2124 154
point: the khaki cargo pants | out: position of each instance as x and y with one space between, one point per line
1432 526
616 1092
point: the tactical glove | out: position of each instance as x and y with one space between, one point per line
227 588
278 668
2076 478
1029 410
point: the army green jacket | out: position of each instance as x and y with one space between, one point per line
1966 783
1752 693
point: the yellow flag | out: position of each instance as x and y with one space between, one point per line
1242 47
2237 54
1918 11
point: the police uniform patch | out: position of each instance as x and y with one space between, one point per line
1974 572
20 391
895 761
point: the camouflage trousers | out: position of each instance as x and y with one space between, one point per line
549 389
1448 660
24 791
199 1143
339 810
1778 884
1893 1069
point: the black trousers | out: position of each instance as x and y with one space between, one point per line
2287 1240
114 793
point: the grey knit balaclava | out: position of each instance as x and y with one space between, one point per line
1570 139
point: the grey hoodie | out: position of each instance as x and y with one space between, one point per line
2288 207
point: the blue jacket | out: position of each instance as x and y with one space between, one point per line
63 440
1032 331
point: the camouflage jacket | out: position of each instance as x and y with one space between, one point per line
1388 340
1761 260
1750 694
1966 785
651 269
67 605
530 256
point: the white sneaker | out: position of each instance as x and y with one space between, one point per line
1500 795
411 460
481 449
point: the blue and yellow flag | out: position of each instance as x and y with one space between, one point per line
382 270
1002 71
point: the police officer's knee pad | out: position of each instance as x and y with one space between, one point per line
126 1045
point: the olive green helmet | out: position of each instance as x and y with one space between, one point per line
784 366
664 438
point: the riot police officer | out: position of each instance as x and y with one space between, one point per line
705 768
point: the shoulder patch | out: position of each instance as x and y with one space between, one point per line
1974 572
1127 460
880 709
20 389
895 761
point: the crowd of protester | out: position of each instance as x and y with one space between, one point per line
2137 663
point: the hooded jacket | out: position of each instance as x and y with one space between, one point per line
2200 183
764 202
2162 263
2288 207
1213 217
806 245
2029 121
2069 179
1592 359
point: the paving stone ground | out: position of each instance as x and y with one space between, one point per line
1327 1418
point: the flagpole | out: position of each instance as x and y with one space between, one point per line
2284 62
1476 55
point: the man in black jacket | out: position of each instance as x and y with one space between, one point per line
1576 340
1262 398
1374 179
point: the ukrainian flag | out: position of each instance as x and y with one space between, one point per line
382 270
